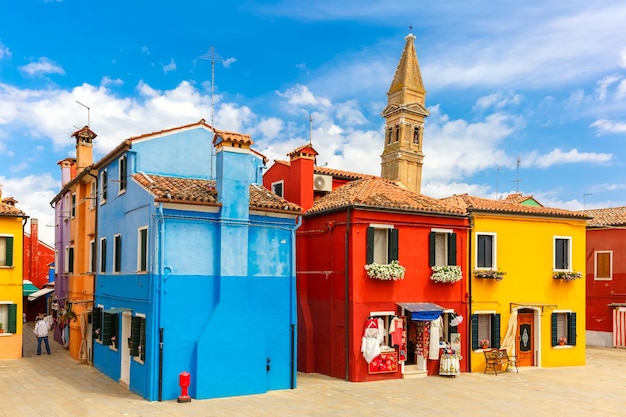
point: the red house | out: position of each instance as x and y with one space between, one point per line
606 277
37 259
354 220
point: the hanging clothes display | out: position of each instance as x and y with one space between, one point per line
435 332
372 337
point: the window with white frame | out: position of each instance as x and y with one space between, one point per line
563 328
104 184
485 326
117 253
278 188
442 248
103 254
142 249
381 244
604 265
562 253
6 251
137 340
92 195
8 316
122 172
92 256
486 251
73 206
69 260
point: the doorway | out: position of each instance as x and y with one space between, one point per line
125 350
525 338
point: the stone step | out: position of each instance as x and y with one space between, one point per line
411 372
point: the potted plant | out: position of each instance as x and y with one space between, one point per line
1 328
448 273
484 343
391 271
567 276
489 273
562 341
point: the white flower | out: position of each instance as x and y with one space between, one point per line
392 271
449 273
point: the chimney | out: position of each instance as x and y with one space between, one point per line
66 170
84 147
34 253
302 163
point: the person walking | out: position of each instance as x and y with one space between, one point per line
41 333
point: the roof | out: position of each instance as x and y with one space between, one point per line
203 192
519 198
336 173
615 216
7 207
407 73
472 203
379 193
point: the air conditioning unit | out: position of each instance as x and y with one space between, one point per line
322 182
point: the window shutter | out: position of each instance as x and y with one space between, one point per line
96 320
393 245
432 238
452 249
474 331
495 331
9 250
109 328
554 325
134 339
142 339
370 245
70 262
571 331
12 325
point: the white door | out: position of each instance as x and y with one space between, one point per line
124 350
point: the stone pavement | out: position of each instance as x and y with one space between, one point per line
56 385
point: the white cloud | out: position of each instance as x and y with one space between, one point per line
557 156
145 50
169 67
4 51
620 93
604 84
270 127
606 127
300 95
42 66
227 62
622 58
106 81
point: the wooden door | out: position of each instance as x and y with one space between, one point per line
525 342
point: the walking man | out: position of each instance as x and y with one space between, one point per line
41 333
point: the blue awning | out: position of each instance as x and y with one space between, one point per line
423 311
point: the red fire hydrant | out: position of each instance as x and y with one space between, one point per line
184 380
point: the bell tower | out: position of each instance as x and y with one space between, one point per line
402 156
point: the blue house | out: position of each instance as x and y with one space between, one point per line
196 272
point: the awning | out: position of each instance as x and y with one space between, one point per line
423 311
117 310
37 294
29 288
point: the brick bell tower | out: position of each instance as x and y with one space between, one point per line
402 157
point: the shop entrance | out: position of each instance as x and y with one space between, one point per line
525 338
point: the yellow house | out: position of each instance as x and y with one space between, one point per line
527 287
11 244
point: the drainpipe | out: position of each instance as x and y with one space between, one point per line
469 301
346 289
159 252
291 302
95 275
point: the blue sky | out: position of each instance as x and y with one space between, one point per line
539 82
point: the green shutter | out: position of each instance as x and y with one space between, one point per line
96 323
143 256
474 331
9 248
12 325
109 328
495 331
451 248
571 331
432 239
135 335
370 245
554 325
393 245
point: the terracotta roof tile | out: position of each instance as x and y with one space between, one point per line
234 137
7 208
615 216
337 173
203 192
472 203
375 192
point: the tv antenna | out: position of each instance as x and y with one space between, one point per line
310 129
87 107
584 203
212 55
517 180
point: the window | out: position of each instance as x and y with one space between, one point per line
382 244
122 173
96 323
103 255
142 249
277 188
103 186
416 135
486 326
389 135
6 250
69 260
92 256
117 253
137 340
442 248
397 135
486 250
564 328
562 253
73 206
604 265
8 317
109 332
92 195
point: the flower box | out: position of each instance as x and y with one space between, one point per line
567 276
386 272
447 274
489 274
